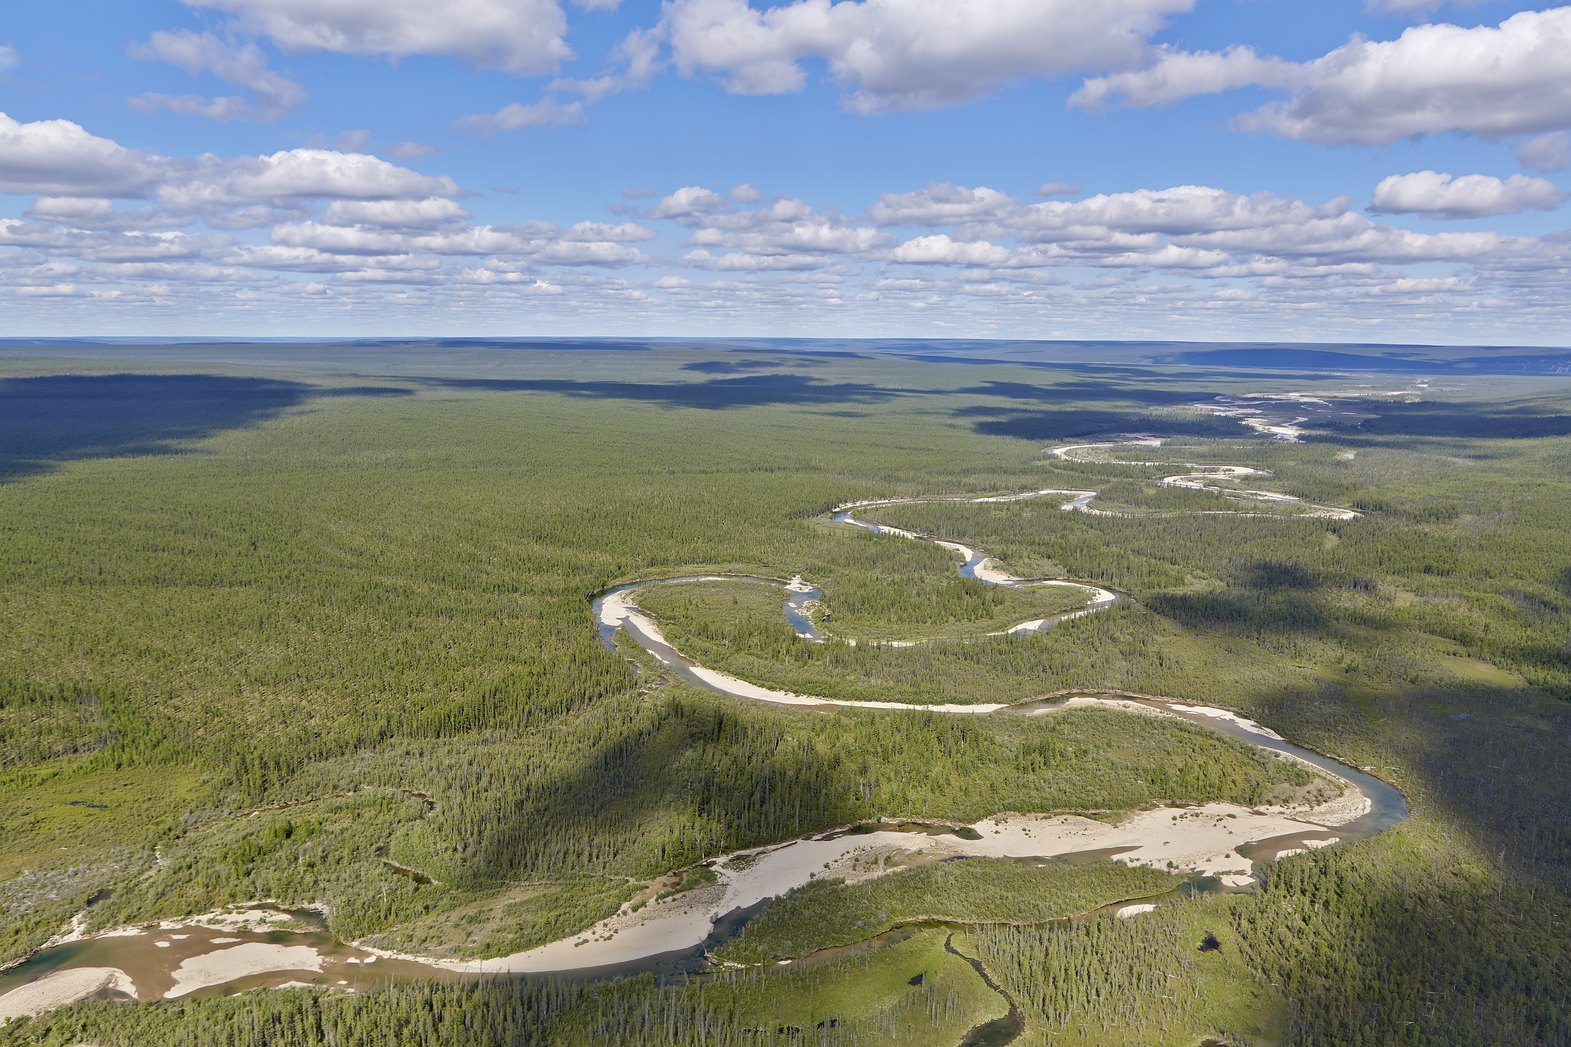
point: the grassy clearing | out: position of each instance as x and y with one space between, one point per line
978 890
912 992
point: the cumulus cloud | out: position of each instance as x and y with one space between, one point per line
396 214
60 158
520 36
1176 75
690 202
908 54
939 249
245 65
1467 196
940 204
782 234
1489 80
584 244
328 173
1546 152
1492 81
745 262
86 212
1178 210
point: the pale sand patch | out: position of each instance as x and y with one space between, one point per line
61 988
1231 717
1236 879
1352 805
1134 910
1201 839
241 961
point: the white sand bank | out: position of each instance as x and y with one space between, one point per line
61 988
241 961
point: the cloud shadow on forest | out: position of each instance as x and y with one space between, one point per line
1088 390
1271 596
1071 423
1461 420
719 394
50 420
1494 942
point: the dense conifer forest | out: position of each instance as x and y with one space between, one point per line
296 632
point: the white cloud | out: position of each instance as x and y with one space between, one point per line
1175 211
395 214
245 65
817 234
1467 196
1546 152
1176 75
939 249
584 244
690 201
9 57
585 232
940 204
331 174
86 212
517 115
59 158
743 261
310 260
1490 81
746 194
85 209
908 54
520 36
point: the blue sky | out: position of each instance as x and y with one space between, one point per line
1389 170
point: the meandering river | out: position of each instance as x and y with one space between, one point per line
1221 845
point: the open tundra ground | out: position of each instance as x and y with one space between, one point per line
312 625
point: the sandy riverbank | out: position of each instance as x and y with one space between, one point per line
60 988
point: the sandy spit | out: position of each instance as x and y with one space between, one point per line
61 988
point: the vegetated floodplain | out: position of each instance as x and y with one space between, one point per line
974 890
253 648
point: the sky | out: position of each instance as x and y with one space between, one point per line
1336 170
